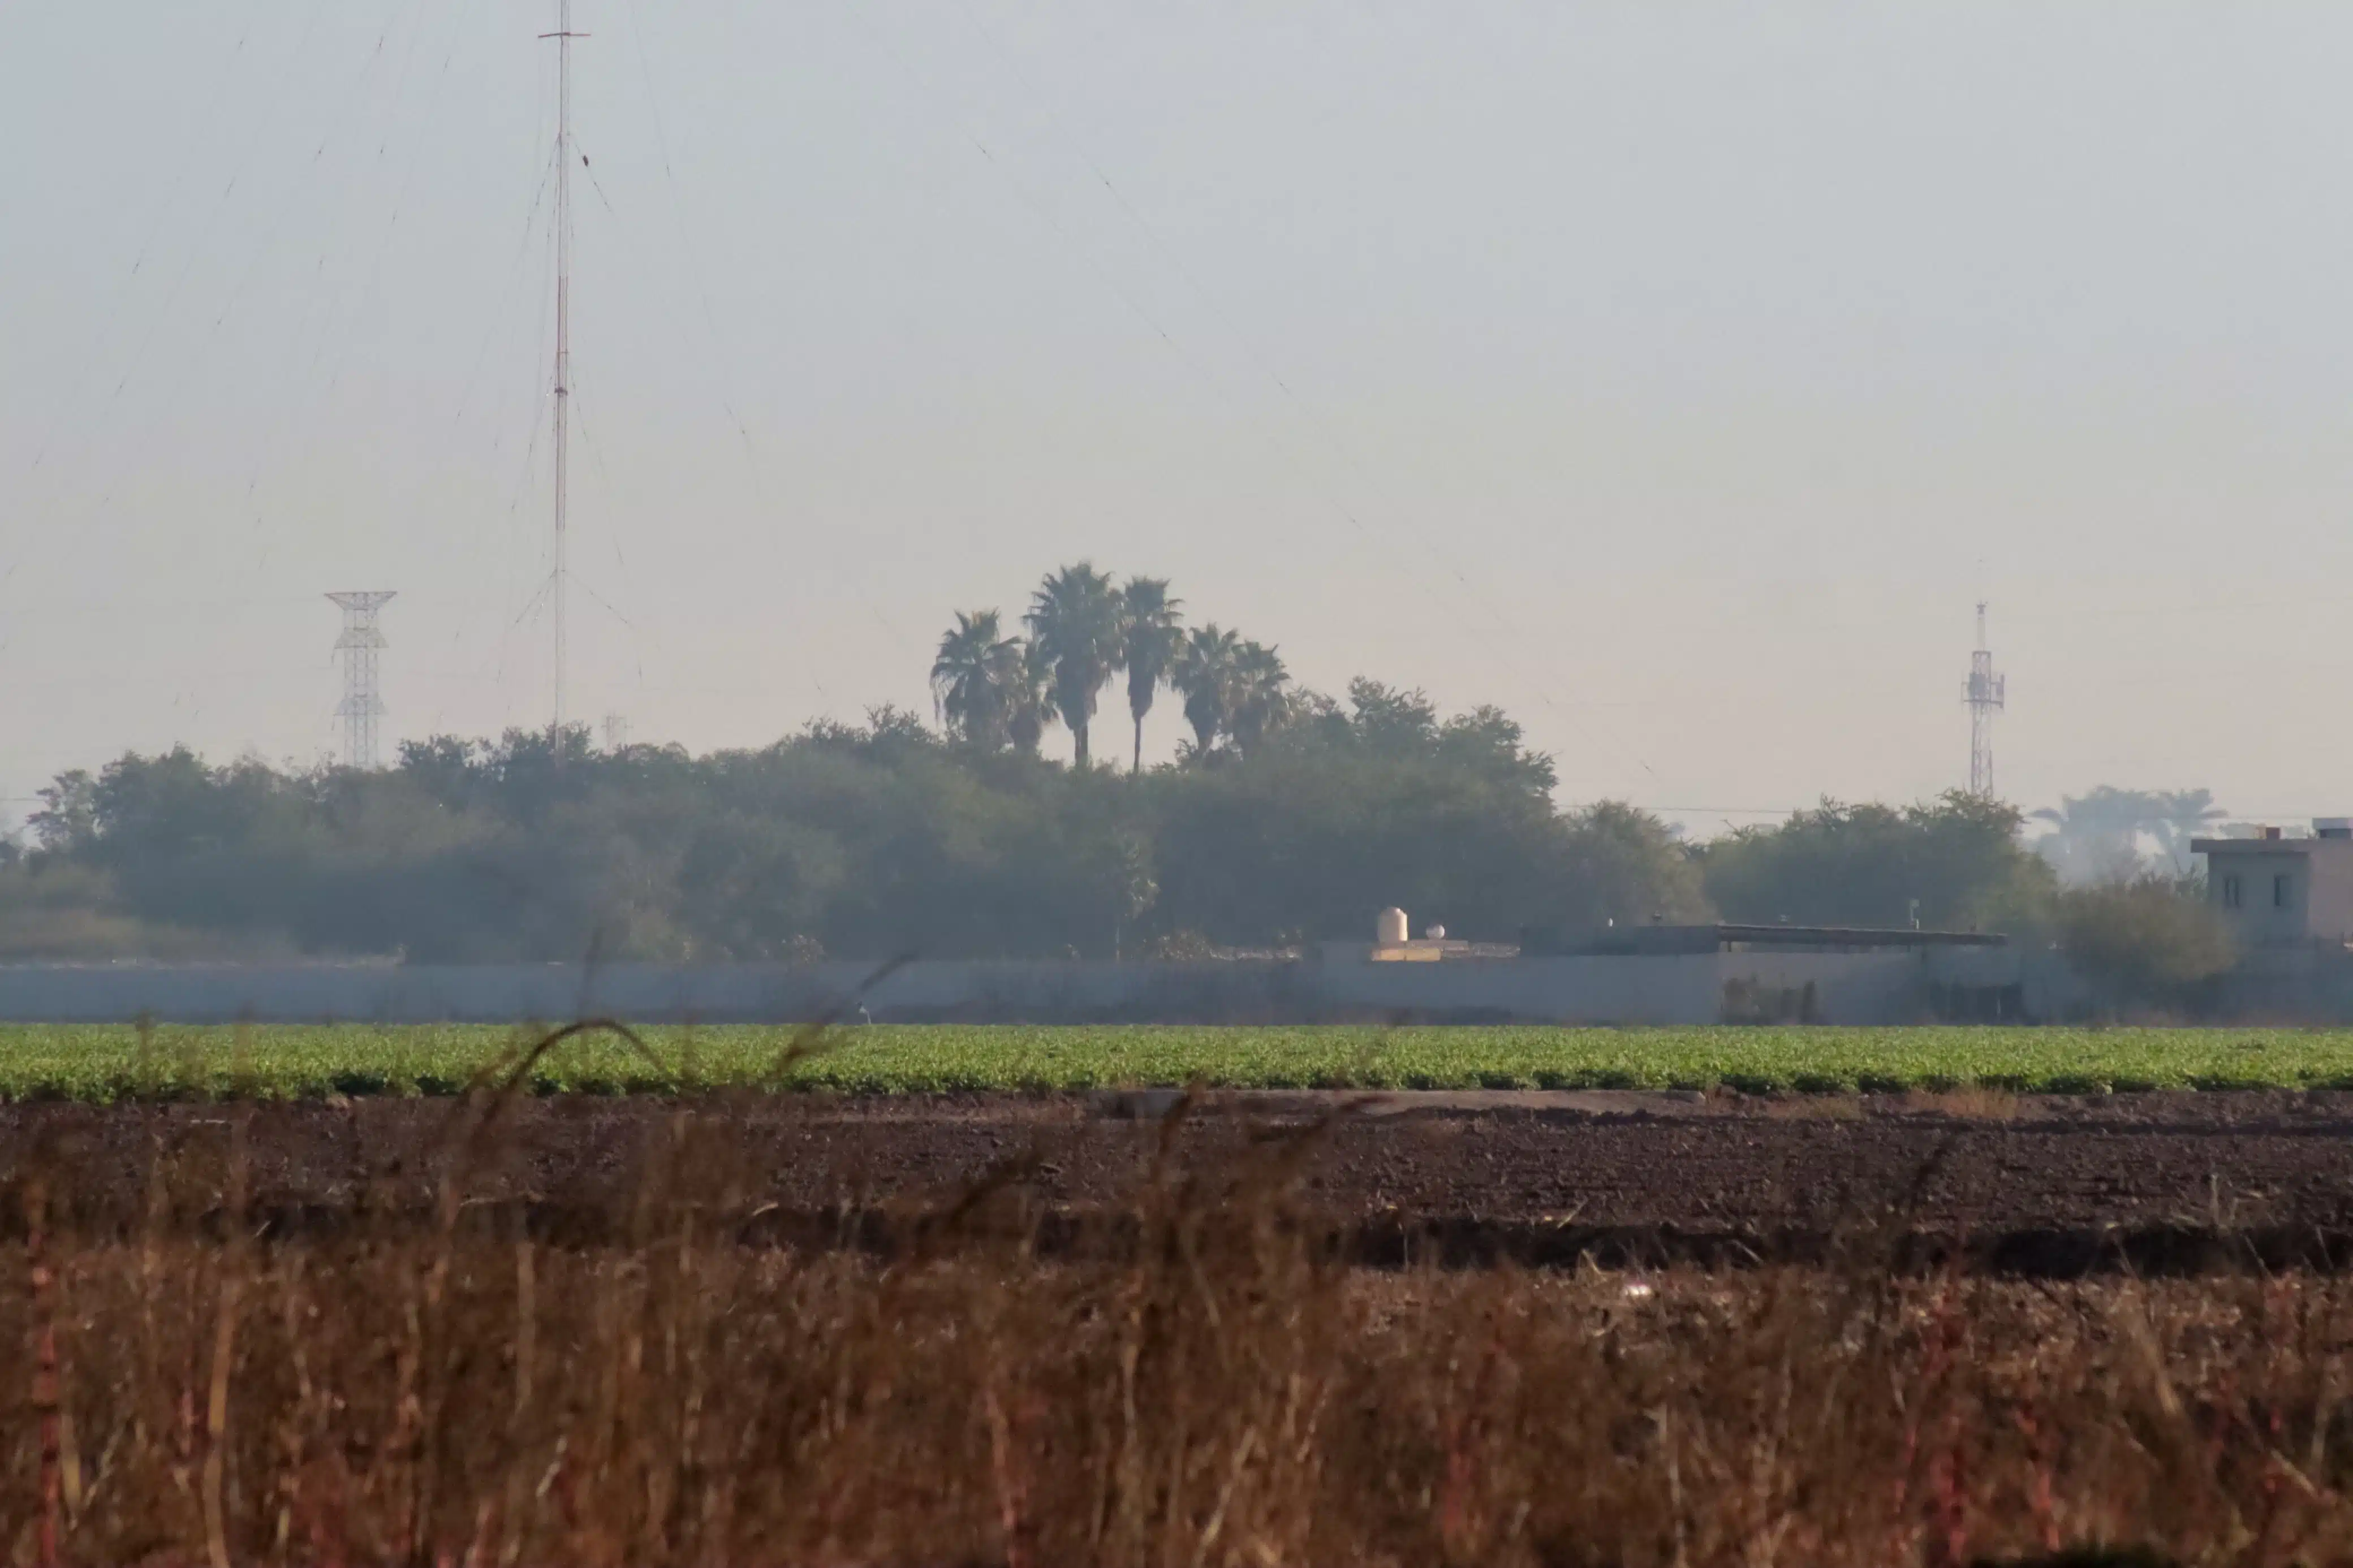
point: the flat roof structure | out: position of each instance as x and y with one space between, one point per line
2271 890
1722 937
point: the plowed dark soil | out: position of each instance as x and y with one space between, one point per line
2059 1185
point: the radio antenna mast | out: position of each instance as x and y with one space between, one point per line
563 35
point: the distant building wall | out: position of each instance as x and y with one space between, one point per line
1848 988
2273 892
2328 906
2264 897
2308 983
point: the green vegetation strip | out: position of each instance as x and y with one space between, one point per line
104 1063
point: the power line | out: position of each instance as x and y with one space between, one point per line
1490 610
349 101
162 208
720 375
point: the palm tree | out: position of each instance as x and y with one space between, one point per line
2185 813
1074 621
1261 704
1204 672
2098 837
970 686
1150 637
1029 715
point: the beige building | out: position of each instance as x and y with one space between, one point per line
2275 891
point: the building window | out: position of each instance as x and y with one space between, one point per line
2233 895
2280 885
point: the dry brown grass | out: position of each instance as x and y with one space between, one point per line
1970 1103
1815 1108
1212 1388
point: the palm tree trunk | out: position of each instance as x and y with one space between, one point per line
1137 765
1079 734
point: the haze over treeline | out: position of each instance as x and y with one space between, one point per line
1429 309
864 841
1289 817
886 838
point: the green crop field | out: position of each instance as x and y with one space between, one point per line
104 1062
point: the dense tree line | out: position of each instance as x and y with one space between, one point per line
1955 863
1288 817
861 841
890 836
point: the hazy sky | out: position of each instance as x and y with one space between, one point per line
1675 375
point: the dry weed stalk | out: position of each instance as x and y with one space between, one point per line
1197 1380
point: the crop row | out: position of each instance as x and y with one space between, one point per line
102 1062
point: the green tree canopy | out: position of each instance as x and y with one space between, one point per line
866 840
2098 836
976 679
2145 943
1076 619
1151 633
1958 856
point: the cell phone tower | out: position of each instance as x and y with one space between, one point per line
1985 691
361 706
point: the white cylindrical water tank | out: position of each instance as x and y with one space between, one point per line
1390 928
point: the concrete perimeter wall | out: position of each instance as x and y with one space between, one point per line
1849 988
2308 983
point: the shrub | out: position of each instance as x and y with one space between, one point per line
2145 943
1180 947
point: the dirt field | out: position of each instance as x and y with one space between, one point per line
2160 1183
1015 1331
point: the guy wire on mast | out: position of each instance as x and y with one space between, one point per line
563 35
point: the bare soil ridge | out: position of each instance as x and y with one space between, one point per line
2152 1183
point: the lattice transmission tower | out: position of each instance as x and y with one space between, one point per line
1986 692
362 705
